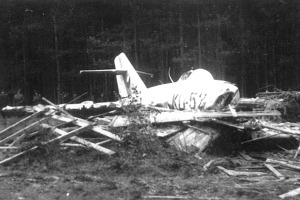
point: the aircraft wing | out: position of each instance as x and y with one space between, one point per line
102 71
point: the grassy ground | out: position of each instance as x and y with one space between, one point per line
147 170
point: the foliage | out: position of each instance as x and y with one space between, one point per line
139 138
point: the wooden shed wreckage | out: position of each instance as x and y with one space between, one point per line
189 114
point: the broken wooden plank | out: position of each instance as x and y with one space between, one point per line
82 122
167 197
18 155
20 132
258 179
168 131
103 142
228 124
260 138
240 173
66 136
72 145
291 193
59 139
297 152
18 140
282 163
245 156
8 148
21 124
199 129
207 165
57 107
92 145
291 132
80 140
275 172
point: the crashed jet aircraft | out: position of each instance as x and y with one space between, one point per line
195 89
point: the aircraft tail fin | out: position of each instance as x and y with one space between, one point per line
130 82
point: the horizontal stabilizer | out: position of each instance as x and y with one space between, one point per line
102 71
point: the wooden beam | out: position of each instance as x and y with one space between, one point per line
282 163
57 107
8 148
59 139
291 132
80 140
72 145
81 122
21 124
228 124
14 157
20 132
275 172
291 193
103 142
168 197
297 152
66 136
260 138
18 140
240 173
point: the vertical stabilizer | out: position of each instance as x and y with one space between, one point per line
129 80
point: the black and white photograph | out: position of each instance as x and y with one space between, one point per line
149 99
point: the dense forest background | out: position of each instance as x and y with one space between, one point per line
44 44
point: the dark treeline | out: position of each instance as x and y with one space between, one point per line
44 44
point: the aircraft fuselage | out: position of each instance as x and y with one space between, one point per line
195 91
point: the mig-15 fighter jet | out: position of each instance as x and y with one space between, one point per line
195 89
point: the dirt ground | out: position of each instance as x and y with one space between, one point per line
158 173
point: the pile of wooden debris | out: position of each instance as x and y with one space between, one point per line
186 130
255 171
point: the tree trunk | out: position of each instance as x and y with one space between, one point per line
24 65
56 59
162 71
199 38
181 40
266 62
135 44
242 52
274 65
219 50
